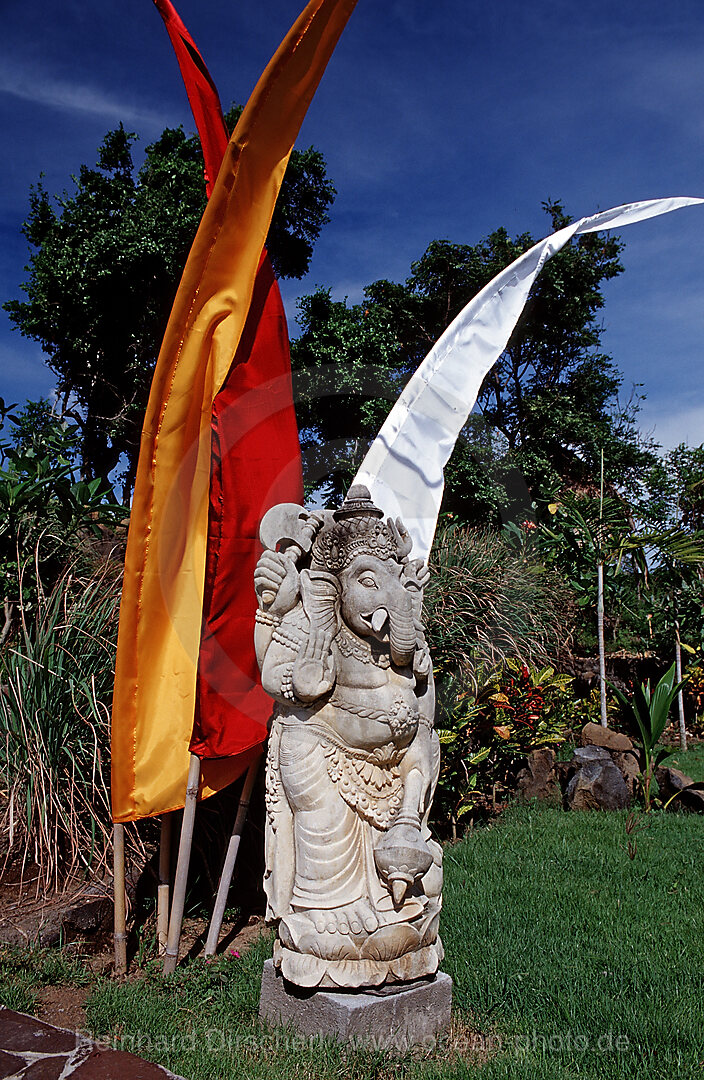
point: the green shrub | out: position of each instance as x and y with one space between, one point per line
496 620
694 694
487 731
47 510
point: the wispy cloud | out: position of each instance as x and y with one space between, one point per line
673 426
45 90
665 80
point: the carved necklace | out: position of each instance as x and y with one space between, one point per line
401 717
361 650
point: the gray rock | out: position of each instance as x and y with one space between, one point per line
84 911
89 915
693 800
670 780
625 760
390 1018
538 779
42 929
598 785
586 755
629 766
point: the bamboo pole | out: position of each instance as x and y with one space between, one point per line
184 858
230 859
678 678
600 603
118 851
162 895
600 638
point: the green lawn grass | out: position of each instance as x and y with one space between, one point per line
23 972
570 959
587 962
690 762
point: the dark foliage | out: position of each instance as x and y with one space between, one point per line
105 266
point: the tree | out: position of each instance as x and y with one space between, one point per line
47 512
547 409
347 371
105 267
593 542
685 470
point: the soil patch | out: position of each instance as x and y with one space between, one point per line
63 1006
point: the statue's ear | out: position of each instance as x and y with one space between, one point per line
321 593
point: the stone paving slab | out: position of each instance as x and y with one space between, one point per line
33 1050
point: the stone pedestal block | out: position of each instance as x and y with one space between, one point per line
390 1018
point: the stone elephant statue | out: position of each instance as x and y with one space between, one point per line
353 878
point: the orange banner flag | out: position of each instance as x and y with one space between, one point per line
162 603
255 462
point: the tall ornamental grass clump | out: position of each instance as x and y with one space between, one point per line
487 601
497 619
56 683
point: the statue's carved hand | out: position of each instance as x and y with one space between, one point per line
416 576
276 582
314 669
421 660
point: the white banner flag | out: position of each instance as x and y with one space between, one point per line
403 468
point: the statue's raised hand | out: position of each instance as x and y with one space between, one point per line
276 582
416 576
416 573
314 669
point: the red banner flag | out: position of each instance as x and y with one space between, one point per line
255 464
202 93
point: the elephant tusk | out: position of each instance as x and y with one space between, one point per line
378 619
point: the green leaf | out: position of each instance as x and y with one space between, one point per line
663 696
446 737
662 754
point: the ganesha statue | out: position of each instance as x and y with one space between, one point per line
353 879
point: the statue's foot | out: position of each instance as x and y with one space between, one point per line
351 918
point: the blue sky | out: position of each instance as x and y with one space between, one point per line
437 120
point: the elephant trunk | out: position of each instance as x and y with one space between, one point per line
402 634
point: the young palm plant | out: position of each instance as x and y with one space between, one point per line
649 713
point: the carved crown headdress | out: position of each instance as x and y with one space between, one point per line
358 528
